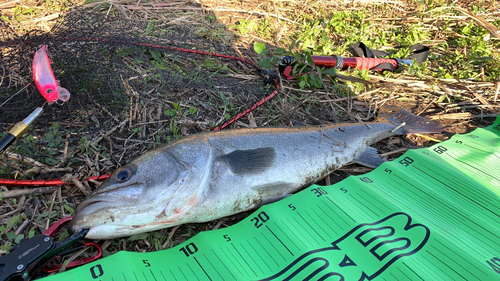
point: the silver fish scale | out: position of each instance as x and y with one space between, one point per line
215 174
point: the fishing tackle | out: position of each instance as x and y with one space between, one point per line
29 257
44 77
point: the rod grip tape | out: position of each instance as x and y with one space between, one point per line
372 63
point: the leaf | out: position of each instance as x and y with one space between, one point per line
69 209
170 112
18 238
260 48
265 63
330 71
139 236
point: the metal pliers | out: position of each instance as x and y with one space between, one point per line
27 258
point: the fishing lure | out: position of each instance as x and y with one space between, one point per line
44 77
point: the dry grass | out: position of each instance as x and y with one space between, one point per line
461 103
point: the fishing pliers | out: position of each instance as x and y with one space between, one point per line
28 258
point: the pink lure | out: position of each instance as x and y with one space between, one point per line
44 77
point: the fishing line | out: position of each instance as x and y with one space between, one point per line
14 94
89 59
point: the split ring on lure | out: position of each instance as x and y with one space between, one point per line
44 77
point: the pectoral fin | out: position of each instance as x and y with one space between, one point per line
369 158
250 161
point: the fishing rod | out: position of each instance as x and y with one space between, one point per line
343 63
364 58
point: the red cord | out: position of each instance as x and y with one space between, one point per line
11 182
44 182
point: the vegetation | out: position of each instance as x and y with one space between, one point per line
459 84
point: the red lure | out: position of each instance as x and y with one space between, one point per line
44 77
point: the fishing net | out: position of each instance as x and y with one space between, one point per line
134 85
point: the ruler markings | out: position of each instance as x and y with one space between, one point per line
253 248
489 152
375 197
438 259
433 202
135 276
232 259
331 219
466 180
193 271
124 278
325 223
272 245
318 224
144 274
287 236
340 208
372 197
481 167
300 232
170 272
469 165
454 189
265 250
453 260
287 225
152 274
366 207
251 257
430 268
402 272
472 197
478 245
411 271
202 268
182 272
314 229
306 231
415 265
452 214
465 183
467 254
223 263
243 259
390 188
215 268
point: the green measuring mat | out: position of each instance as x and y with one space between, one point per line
432 214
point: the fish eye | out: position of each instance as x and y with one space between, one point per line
124 174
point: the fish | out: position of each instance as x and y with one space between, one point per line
211 175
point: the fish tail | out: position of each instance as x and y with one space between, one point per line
412 124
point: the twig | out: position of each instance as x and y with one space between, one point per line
71 178
428 138
398 127
482 22
22 226
169 238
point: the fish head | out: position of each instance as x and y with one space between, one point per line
144 195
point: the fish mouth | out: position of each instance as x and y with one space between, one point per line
94 204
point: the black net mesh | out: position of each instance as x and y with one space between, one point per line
128 93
